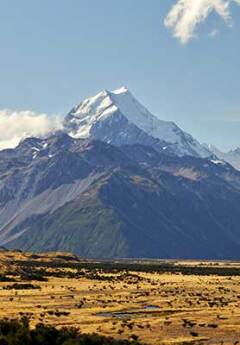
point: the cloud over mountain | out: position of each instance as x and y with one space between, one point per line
17 125
186 15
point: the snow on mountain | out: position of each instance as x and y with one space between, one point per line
232 157
118 118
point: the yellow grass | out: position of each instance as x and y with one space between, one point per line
178 298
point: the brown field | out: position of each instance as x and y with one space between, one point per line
159 306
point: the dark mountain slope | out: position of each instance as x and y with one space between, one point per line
101 201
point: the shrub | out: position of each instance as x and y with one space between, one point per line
18 332
17 286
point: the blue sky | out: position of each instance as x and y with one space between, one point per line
55 53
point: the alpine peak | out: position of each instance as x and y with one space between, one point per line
117 117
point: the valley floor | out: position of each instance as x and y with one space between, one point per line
153 305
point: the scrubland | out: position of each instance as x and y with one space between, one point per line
154 302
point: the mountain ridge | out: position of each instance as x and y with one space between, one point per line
109 185
232 156
99 200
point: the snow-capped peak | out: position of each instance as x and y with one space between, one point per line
106 104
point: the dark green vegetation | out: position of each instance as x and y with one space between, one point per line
41 270
18 332
19 286
100 201
3 278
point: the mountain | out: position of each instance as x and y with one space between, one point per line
232 156
119 119
99 200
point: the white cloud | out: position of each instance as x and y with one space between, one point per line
17 125
213 33
186 15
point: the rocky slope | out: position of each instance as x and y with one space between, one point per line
100 200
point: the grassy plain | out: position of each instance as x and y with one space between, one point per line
156 302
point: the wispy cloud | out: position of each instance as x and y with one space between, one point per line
186 15
17 125
213 33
